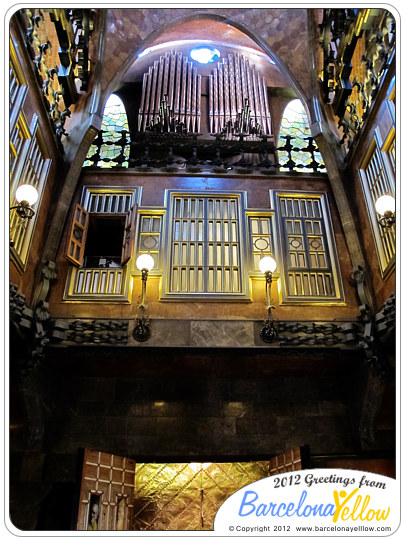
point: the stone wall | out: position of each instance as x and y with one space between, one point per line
199 404
232 404
175 405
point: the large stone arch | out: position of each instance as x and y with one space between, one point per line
249 18
123 33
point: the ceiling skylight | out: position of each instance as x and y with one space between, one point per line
204 54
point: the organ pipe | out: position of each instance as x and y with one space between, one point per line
241 93
237 98
171 96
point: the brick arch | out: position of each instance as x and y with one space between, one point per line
281 33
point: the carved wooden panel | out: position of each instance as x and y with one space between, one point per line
129 235
289 461
77 236
106 495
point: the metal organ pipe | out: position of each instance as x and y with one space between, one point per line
242 98
237 98
171 96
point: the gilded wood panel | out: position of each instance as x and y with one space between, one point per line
186 496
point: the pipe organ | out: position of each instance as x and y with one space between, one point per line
171 96
238 100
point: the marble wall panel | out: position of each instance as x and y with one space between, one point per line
164 333
221 334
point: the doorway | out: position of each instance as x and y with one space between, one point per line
119 494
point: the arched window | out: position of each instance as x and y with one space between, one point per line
294 132
111 146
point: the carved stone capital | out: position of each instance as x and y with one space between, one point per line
48 274
377 340
359 275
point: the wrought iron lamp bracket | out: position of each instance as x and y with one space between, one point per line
388 220
24 210
269 332
141 331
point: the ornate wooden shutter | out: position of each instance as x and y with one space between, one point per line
106 493
77 236
129 235
295 459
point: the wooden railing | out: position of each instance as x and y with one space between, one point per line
96 282
217 154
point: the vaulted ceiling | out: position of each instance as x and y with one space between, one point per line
221 35
281 33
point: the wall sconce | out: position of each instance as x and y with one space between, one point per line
385 206
141 332
26 195
268 333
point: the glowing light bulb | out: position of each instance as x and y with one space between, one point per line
384 204
26 193
267 264
145 262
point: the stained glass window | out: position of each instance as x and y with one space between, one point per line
112 148
294 123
